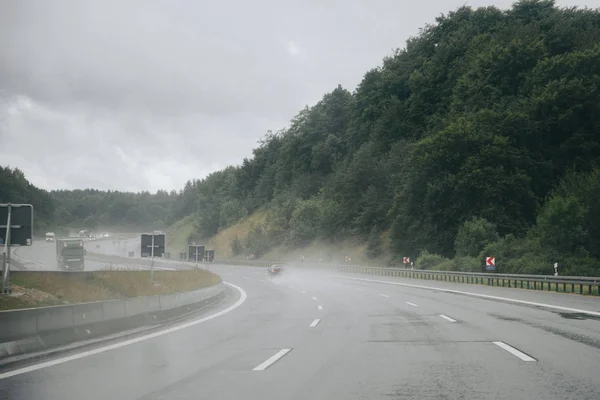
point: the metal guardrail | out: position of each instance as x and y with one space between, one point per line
573 284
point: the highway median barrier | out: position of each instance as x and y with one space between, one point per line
39 329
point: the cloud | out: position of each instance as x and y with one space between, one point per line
146 94
293 48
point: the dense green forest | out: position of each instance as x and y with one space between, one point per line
480 137
95 209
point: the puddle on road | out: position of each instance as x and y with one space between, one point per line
579 316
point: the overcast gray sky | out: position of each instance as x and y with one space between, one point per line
142 95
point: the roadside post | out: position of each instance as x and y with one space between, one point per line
18 230
555 269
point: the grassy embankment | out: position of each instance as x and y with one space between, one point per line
178 233
38 289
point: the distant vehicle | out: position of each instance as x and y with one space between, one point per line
70 254
50 236
92 237
84 234
275 270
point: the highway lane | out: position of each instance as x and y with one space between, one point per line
41 256
371 340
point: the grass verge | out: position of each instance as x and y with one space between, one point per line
41 288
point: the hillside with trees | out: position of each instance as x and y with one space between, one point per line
480 137
61 210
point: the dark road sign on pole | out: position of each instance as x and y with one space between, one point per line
196 252
16 228
153 241
152 245
21 222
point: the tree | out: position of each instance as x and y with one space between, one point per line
473 235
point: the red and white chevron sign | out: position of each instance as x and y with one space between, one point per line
406 260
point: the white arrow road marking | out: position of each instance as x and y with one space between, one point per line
320 307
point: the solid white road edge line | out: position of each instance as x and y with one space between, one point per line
447 318
383 295
320 307
114 346
514 351
411 304
271 360
315 323
483 296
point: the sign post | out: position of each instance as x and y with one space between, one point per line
6 266
18 231
490 263
555 269
152 261
156 242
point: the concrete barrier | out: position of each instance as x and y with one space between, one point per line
35 329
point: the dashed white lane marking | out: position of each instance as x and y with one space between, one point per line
447 318
315 323
262 280
360 290
270 361
103 349
291 287
230 274
314 298
303 292
411 304
514 351
383 295
320 307
246 277
483 296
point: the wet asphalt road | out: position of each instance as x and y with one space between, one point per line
346 339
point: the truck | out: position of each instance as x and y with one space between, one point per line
84 234
70 254
50 237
